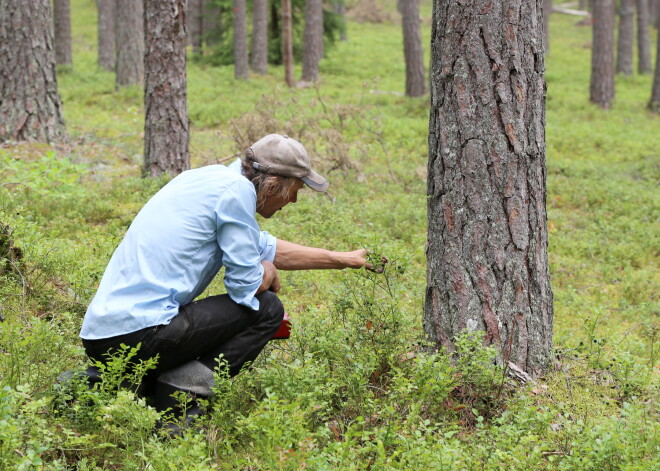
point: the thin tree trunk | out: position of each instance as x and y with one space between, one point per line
547 11
106 34
654 104
340 10
643 42
241 67
487 234
130 43
30 105
624 57
412 47
259 59
287 42
210 22
62 24
312 39
195 26
166 135
602 54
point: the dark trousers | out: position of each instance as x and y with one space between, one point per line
202 330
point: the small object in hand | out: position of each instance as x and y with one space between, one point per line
284 331
379 267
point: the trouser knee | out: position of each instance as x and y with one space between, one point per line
270 307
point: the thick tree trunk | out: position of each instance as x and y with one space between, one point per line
30 105
287 42
312 39
241 68
130 43
487 233
602 54
259 59
654 104
106 34
194 15
166 135
62 24
547 11
643 43
624 57
412 47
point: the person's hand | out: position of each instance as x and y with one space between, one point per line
271 279
357 259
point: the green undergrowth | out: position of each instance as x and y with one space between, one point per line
356 386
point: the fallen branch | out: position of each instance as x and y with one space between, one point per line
568 11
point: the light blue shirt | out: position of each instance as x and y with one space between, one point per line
200 221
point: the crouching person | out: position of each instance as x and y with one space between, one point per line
200 221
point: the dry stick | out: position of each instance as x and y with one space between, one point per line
23 295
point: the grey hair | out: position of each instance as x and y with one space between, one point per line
266 184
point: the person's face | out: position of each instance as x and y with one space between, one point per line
275 203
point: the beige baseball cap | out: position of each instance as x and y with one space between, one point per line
281 155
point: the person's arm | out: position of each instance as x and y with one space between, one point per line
290 256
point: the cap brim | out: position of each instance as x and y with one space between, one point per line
316 182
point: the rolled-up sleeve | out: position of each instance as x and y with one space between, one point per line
239 239
267 246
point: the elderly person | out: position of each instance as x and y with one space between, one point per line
200 221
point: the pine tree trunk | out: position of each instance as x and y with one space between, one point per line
241 68
106 34
130 43
602 54
166 135
62 24
210 22
260 36
487 225
30 105
624 57
340 10
547 11
643 42
654 104
312 39
194 25
412 47
287 42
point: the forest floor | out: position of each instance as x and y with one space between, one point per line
353 388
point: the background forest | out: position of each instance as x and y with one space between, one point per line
354 387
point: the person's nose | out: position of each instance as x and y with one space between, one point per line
293 198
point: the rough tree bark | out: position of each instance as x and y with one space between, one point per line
312 39
602 54
654 104
195 27
106 33
62 26
166 135
287 42
412 47
487 233
259 59
547 11
643 43
624 56
241 67
30 105
130 43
